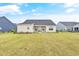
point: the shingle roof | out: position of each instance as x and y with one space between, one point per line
4 19
69 23
39 22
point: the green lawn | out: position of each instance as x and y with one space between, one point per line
39 44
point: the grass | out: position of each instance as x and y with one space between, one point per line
39 44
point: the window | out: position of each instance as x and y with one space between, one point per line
43 29
0 28
50 28
27 27
35 29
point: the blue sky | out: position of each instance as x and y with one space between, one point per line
19 12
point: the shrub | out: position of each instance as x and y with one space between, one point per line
13 30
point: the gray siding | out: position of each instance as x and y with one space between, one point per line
6 25
61 27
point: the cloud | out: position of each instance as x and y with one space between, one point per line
57 18
20 4
76 5
41 1
37 14
69 10
10 9
26 5
33 10
71 5
37 10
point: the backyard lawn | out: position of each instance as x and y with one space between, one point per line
39 44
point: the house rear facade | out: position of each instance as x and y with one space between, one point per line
6 25
68 26
35 25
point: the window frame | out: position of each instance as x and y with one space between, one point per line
51 29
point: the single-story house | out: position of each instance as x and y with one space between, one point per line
6 25
68 26
36 25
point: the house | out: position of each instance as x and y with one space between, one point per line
68 26
76 27
36 25
6 25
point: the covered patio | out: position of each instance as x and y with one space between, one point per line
76 28
39 28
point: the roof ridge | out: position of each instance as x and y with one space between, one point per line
69 23
39 21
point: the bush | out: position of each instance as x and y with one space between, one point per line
13 30
57 31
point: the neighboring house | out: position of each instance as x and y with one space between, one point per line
6 25
76 28
36 25
68 26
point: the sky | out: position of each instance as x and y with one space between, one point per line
19 12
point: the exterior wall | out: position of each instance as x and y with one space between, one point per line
69 28
50 26
6 25
47 28
61 27
25 28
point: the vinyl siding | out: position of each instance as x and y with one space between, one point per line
24 28
61 27
50 26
